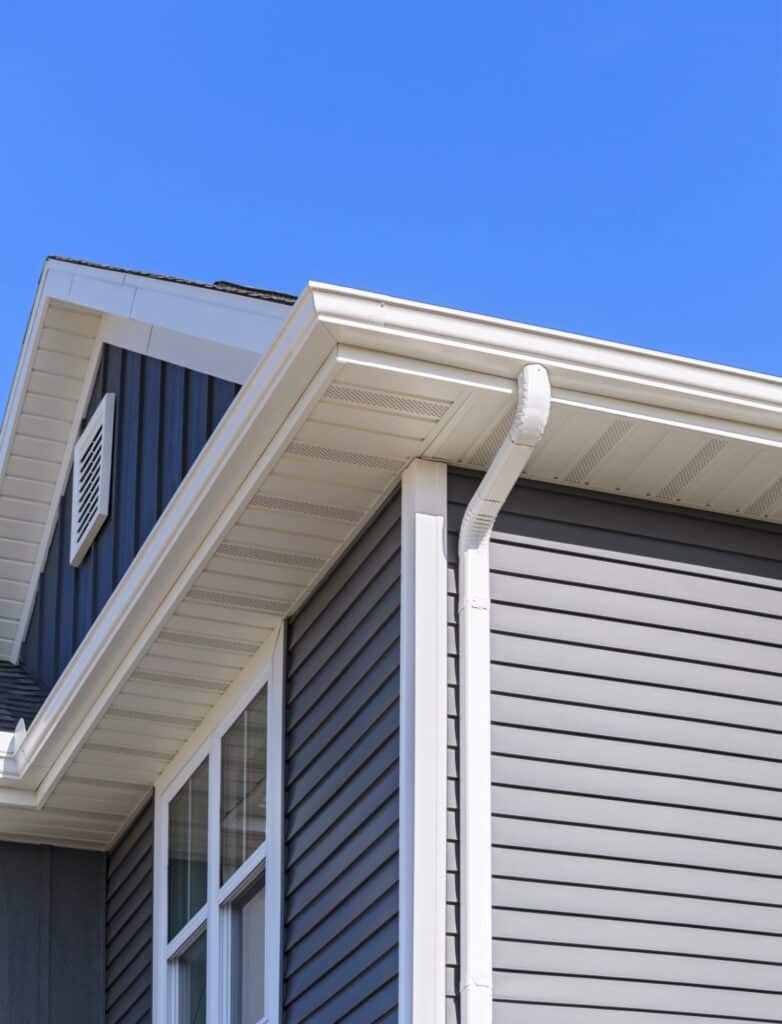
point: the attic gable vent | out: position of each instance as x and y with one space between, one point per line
92 479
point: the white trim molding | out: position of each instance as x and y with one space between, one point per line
475 896
423 745
266 670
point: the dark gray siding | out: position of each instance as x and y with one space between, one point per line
636 770
51 935
342 789
164 414
129 924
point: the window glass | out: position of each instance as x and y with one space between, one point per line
243 787
192 983
247 934
187 843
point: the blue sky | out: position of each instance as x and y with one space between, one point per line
611 167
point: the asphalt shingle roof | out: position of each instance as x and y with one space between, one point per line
20 696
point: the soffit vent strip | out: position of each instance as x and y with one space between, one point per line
388 401
591 459
766 502
692 469
348 458
306 508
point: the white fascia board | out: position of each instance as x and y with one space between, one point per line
216 358
500 347
239 327
229 469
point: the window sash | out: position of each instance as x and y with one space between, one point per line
264 862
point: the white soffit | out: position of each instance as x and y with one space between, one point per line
42 419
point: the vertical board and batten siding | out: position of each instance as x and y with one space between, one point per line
636 761
51 935
129 924
164 415
342 789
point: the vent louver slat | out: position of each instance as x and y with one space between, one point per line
92 479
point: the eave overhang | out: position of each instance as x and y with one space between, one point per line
352 389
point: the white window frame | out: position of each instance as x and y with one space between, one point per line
265 670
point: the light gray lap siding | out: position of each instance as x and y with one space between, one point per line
636 765
129 924
342 789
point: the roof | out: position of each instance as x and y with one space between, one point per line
217 286
20 696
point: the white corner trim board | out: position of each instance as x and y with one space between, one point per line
475 932
423 745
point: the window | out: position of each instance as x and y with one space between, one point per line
217 864
91 484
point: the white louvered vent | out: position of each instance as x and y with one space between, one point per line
92 479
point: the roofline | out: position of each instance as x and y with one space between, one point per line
216 286
599 368
321 287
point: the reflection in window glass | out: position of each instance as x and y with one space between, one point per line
247 932
192 983
187 842
243 787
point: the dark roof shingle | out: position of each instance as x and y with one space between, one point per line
20 696
217 286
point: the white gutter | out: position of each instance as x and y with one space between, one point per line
532 411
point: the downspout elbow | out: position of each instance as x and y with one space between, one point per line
529 424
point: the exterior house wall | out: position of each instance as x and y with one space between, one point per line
341 790
129 924
51 935
636 772
164 415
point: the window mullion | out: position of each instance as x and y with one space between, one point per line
213 958
245 755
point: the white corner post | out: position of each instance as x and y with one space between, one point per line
423 744
475 844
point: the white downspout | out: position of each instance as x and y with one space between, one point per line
475 936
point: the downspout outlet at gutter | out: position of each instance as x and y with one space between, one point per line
475 940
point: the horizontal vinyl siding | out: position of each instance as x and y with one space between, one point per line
129 924
342 789
636 761
164 415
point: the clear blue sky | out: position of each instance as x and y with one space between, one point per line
611 167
